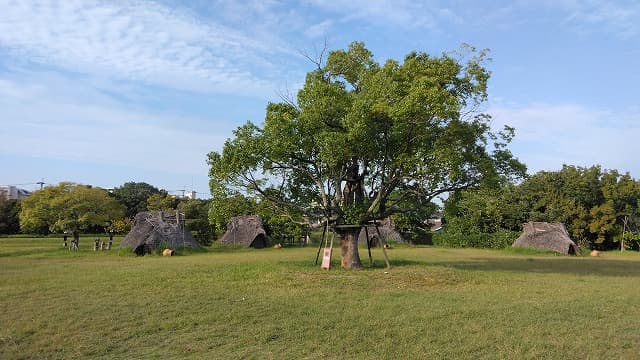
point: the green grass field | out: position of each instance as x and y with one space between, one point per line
274 304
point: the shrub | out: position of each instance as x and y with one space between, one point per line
497 240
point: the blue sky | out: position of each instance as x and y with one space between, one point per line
106 92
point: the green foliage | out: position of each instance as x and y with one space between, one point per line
589 201
37 214
9 215
162 202
354 213
196 213
479 211
134 195
121 226
226 204
69 207
366 140
412 225
477 218
282 226
592 204
463 238
630 240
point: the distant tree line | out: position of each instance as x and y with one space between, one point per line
76 208
598 207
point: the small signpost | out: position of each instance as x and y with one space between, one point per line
326 258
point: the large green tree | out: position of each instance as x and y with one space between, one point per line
134 195
69 207
364 140
36 213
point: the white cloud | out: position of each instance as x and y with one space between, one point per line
400 13
45 121
620 17
137 40
319 30
548 136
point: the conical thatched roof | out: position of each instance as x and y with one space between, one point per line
246 231
387 233
546 236
151 229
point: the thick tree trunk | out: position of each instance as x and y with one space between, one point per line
349 248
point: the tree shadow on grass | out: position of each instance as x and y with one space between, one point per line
576 265
550 265
31 252
579 266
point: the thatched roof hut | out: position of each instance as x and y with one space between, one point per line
387 234
151 229
246 231
546 236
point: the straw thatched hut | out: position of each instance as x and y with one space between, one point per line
387 234
152 229
546 236
246 231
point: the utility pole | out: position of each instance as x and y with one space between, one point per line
41 183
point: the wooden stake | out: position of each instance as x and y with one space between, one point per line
384 251
324 232
366 233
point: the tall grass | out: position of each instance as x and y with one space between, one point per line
261 304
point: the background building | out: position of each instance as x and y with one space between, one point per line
13 193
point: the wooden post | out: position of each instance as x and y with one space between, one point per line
324 232
366 233
384 251
624 228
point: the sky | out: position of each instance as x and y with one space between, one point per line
108 92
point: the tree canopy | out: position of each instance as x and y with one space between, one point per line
595 205
364 140
9 215
134 195
69 207
162 201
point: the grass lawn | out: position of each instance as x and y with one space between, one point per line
275 304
